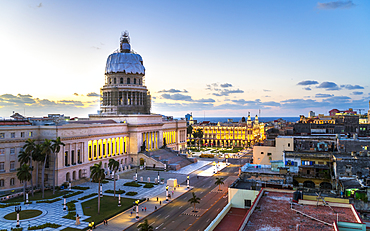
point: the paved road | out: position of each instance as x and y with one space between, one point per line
171 217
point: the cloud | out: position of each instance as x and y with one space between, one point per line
226 92
76 94
92 94
69 102
177 97
323 95
266 90
40 5
97 48
172 91
351 87
225 85
329 86
335 5
209 100
357 93
307 88
308 82
257 103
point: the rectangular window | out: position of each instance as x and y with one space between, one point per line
1 183
73 157
12 165
2 151
12 181
22 134
103 150
12 135
66 158
89 152
2 135
79 156
12 151
269 154
30 134
2 166
95 151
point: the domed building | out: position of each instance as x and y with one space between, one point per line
124 91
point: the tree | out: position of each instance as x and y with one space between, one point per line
194 200
46 151
56 149
38 158
219 182
27 156
189 130
97 175
113 165
24 175
198 134
145 226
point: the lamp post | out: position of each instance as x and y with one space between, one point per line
18 209
27 197
113 176
70 185
64 204
136 176
101 190
137 209
187 182
158 176
119 200
167 193
227 157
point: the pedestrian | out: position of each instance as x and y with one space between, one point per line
142 209
131 214
106 222
93 224
157 198
145 209
160 202
155 207
90 226
172 192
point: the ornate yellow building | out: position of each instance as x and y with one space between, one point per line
242 134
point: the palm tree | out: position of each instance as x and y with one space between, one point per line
219 182
145 226
97 175
24 175
38 158
46 151
198 134
28 150
56 149
194 200
113 165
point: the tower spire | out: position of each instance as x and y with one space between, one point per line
125 46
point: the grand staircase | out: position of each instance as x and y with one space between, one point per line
172 159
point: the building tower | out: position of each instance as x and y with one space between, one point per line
124 91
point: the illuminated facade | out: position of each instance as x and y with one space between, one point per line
242 134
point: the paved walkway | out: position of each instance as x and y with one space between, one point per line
126 219
54 212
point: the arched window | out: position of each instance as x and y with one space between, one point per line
110 80
128 80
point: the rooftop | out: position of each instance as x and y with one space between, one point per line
273 212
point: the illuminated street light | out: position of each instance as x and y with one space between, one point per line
119 200
187 181
137 209
167 193
65 203
136 176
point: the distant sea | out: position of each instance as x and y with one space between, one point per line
236 119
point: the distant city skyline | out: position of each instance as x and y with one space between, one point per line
284 58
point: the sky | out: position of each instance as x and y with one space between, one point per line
211 58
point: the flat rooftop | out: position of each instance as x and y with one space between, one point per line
232 220
273 212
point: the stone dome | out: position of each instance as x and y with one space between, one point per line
126 63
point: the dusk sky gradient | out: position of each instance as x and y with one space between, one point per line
218 58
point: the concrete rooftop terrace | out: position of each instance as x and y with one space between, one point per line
273 212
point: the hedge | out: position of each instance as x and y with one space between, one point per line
131 193
46 225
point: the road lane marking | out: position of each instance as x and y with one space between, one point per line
208 220
218 209
159 226
159 215
152 223
166 216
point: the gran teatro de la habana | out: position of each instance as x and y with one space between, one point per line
123 129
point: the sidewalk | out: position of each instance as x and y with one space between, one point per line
125 219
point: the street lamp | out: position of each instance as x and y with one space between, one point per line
158 176
136 176
137 209
167 193
26 197
101 190
187 181
119 200
70 185
65 203
18 209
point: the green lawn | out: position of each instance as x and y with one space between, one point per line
71 229
108 208
24 214
37 196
